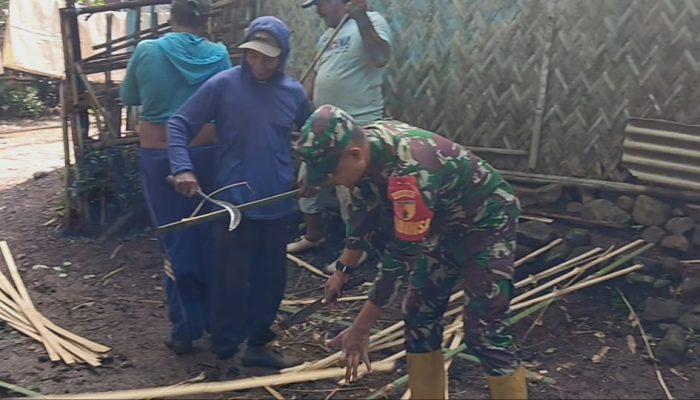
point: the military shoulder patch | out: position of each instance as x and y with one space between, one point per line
412 217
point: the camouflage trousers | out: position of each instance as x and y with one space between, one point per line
481 257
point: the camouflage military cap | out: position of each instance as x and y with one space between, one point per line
325 135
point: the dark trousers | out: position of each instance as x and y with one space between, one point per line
247 283
187 251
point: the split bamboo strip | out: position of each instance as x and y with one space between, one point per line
23 325
11 311
298 261
538 252
687 262
579 286
557 268
25 328
27 308
222 387
88 344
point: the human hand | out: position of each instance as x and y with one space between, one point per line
354 343
334 287
356 8
186 184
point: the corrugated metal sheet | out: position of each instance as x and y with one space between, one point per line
663 152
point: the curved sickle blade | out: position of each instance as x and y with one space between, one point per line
233 212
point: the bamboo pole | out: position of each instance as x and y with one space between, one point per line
563 266
617 187
222 387
67 174
582 285
538 252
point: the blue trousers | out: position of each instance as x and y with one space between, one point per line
189 251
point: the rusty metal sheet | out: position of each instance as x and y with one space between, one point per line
662 152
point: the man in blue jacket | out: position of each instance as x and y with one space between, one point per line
161 75
255 108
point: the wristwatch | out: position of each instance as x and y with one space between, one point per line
344 268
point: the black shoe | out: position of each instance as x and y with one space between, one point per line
227 369
180 346
265 357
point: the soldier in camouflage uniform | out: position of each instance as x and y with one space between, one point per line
436 213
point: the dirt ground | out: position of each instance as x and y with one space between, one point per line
125 311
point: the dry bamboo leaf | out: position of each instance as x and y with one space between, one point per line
600 355
599 335
631 344
550 350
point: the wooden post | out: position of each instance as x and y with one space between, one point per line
67 174
542 95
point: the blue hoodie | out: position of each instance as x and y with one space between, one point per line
254 122
165 72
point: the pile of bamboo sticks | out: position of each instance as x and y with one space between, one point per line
575 269
571 275
17 309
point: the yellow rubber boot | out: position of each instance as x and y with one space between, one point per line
426 375
510 387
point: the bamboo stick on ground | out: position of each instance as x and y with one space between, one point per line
19 389
20 323
298 261
69 344
574 273
579 286
598 260
659 376
27 308
223 387
538 253
557 268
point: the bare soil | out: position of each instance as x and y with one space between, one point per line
127 313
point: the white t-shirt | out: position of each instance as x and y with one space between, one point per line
345 76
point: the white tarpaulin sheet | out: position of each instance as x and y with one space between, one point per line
33 36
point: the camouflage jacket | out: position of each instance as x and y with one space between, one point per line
420 187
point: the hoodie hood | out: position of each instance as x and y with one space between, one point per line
281 33
194 57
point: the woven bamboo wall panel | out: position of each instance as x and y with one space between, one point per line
471 69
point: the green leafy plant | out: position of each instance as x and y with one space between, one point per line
21 101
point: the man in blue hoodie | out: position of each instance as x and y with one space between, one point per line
161 75
255 107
